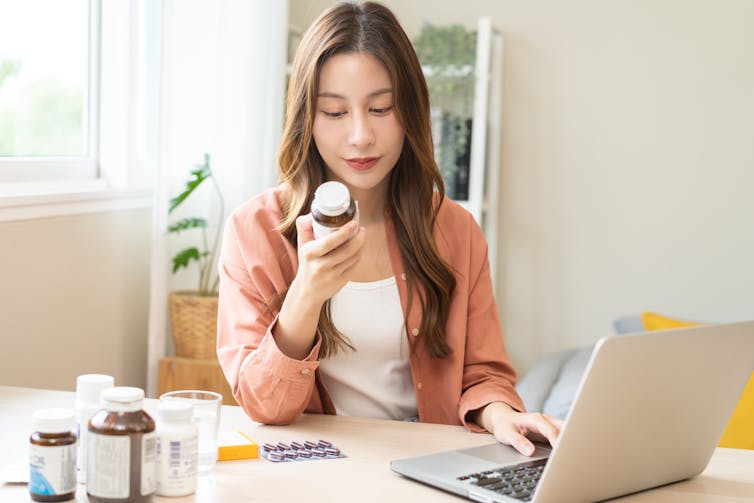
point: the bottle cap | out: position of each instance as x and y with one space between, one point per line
332 198
123 399
89 386
53 420
175 410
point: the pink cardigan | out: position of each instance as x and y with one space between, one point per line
257 262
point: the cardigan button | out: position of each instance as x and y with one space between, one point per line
419 386
305 371
415 332
403 276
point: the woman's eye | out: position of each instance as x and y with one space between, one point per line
381 111
334 115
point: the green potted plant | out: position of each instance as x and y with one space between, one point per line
193 314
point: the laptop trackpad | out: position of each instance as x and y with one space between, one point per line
504 454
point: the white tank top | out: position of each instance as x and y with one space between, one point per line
375 380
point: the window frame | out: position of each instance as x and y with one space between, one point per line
113 175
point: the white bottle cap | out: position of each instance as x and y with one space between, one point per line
53 420
332 198
89 386
123 399
175 410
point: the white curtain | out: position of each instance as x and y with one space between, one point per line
215 84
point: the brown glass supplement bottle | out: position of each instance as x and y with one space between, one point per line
52 456
332 208
121 464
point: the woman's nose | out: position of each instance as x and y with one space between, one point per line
362 133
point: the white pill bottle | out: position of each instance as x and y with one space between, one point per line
88 390
177 449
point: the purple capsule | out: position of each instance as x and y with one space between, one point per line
291 454
323 444
318 452
332 451
269 447
297 445
303 453
310 445
275 456
283 447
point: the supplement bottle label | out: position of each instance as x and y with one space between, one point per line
321 231
177 464
82 420
109 461
52 470
81 451
148 463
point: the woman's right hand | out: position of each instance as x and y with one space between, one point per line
324 264
323 269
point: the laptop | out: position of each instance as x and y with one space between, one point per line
650 410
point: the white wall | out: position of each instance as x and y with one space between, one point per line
74 299
627 160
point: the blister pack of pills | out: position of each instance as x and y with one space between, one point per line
300 451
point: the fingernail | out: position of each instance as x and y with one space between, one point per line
526 448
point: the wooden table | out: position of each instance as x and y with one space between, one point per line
364 475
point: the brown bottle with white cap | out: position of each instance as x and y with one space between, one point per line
52 456
332 208
122 455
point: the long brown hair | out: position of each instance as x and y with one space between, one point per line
371 28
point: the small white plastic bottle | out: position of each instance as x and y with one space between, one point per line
177 449
88 390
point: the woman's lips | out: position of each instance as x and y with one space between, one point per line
362 163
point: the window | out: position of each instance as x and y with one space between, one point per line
72 97
48 92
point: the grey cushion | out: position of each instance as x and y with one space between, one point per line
534 387
552 382
628 324
559 401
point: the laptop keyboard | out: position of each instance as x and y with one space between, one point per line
515 481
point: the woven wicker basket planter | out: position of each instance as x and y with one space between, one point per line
194 321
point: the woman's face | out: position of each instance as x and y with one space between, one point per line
355 127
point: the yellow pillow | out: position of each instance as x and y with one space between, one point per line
654 321
739 434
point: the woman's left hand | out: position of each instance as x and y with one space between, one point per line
519 429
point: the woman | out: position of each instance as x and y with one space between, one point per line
394 318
